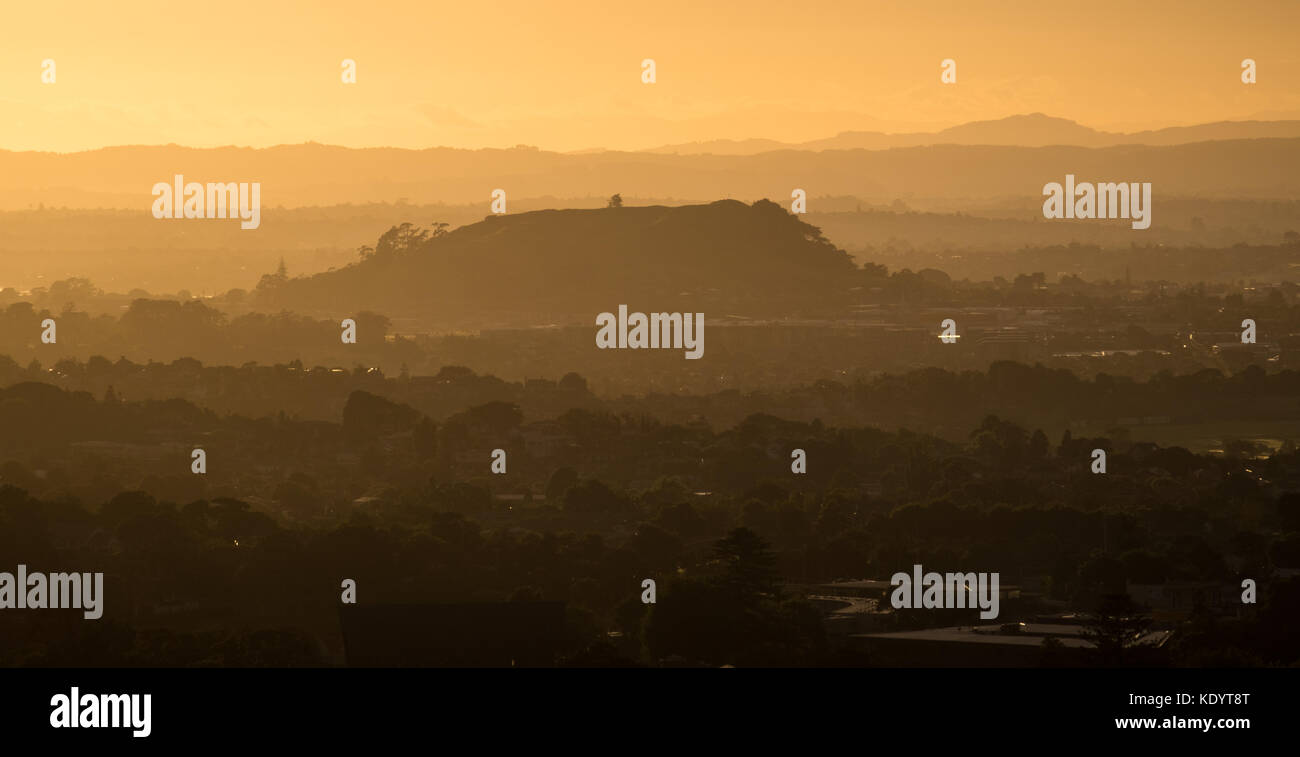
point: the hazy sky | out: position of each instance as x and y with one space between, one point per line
567 75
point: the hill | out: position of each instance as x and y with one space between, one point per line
315 174
569 265
1031 130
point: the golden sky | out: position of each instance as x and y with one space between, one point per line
567 75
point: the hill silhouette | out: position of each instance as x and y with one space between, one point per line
1029 130
315 174
568 265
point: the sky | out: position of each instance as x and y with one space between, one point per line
567 75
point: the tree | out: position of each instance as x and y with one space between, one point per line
399 239
372 328
298 495
367 416
271 281
1039 447
496 417
749 565
592 496
455 529
573 382
561 481
695 619
1116 626
615 201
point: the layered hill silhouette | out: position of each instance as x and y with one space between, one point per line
565 266
1032 130
314 174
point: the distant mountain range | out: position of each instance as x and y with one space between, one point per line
1222 165
1032 130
